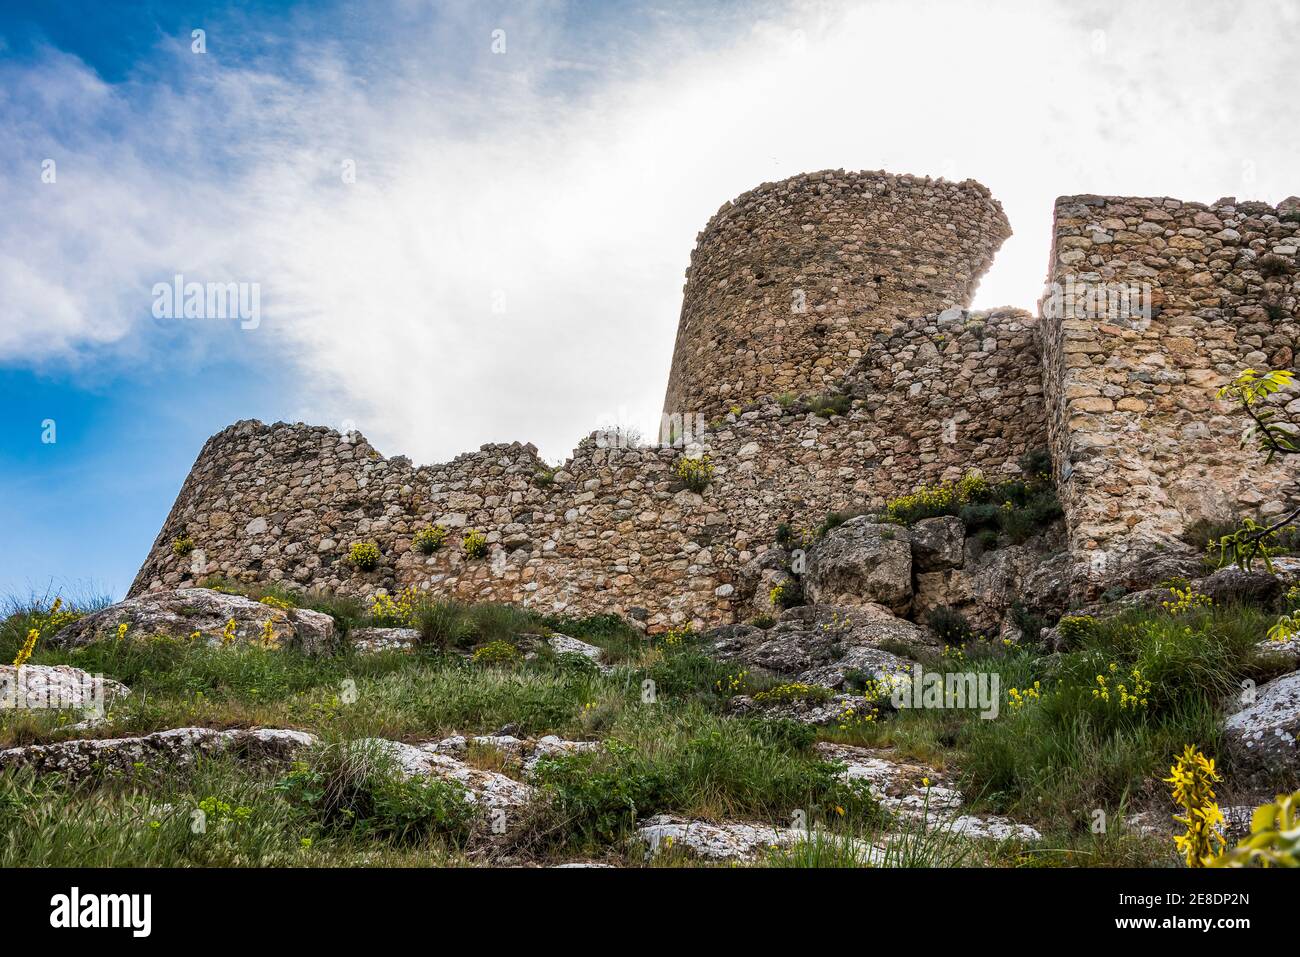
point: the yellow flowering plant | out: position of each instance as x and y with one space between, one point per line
696 473
1193 777
731 685
1185 600
1274 839
429 539
474 544
496 653
1017 698
364 555
394 611
1128 693
25 652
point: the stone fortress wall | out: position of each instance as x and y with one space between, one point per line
1142 446
612 529
935 391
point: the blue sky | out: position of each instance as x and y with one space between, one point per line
505 261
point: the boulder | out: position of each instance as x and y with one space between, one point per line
521 753
1233 585
369 641
758 577
938 543
502 798
990 582
861 562
919 792
50 687
564 645
184 611
179 747
817 712
819 643
1287 651
1261 737
730 840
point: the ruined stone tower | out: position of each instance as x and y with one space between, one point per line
788 282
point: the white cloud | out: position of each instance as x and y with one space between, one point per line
579 204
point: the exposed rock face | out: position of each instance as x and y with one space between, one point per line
184 611
726 841
524 752
938 543
502 798
368 641
859 563
1228 585
758 577
920 792
35 687
1262 737
820 643
178 747
834 710
988 583
563 644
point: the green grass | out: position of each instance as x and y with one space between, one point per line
1051 763
695 763
247 820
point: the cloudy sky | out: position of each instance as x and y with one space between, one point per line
469 221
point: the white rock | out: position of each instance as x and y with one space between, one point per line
53 687
177 747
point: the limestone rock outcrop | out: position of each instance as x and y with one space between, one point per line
182 612
176 748
1264 737
861 562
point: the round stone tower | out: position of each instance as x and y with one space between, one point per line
788 281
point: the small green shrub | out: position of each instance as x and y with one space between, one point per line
830 404
834 520
576 663
444 624
1075 629
182 545
364 555
1030 622
350 787
949 624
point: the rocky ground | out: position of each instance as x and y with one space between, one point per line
523 740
